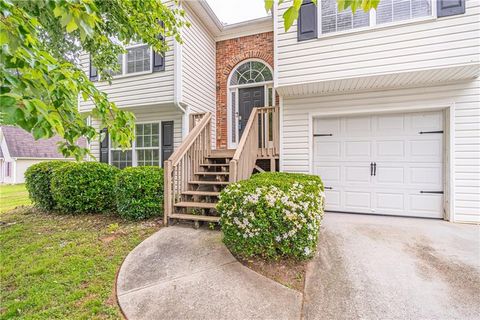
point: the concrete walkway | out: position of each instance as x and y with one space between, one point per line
183 273
367 267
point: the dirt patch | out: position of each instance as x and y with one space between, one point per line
290 273
463 279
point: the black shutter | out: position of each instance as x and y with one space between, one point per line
158 57
104 145
93 71
167 140
307 21
447 8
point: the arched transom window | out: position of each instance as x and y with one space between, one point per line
251 72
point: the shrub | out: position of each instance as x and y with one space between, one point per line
139 192
272 215
84 187
38 178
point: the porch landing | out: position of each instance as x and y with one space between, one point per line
183 273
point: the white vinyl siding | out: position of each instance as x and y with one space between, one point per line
198 68
149 115
407 46
465 96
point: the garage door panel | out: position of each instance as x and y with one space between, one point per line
327 149
358 149
407 163
426 176
357 174
427 150
358 125
426 121
390 175
390 125
429 205
358 200
331 174
388 201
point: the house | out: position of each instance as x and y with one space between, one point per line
383 105
19 150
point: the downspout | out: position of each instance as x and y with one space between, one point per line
178 84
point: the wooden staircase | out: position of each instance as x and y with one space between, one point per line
195 174
205 188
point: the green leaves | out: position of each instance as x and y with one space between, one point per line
40 81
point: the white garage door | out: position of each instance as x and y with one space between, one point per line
384 164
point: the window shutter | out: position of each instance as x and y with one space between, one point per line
307 21
167 140
104 146
158 57
93 71
447 8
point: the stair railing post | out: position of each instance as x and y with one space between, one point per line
167 193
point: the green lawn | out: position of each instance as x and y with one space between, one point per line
59 266
12 196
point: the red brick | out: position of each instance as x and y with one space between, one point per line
229 54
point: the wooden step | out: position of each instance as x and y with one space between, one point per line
214 164
201 193
202 205
222 153
206 173
224 183
194 217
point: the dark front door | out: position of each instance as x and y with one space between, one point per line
167 140
248 98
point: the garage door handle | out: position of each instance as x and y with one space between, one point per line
374 168
434 192
322 134
371 168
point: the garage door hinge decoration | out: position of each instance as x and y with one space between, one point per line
322 134
430 132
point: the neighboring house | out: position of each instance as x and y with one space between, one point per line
384 106
19 150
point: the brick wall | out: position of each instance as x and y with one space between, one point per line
229 54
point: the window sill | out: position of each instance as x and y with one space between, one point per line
128 75
390 25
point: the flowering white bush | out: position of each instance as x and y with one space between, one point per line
272 215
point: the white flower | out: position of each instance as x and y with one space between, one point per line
307 251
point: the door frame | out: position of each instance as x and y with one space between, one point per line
268 85
448 142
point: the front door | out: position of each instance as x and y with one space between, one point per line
248 98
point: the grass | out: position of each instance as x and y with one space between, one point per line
61 266
12 196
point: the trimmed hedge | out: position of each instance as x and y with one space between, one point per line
38 178
272 215
84 187
139 192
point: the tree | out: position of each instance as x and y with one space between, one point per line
40 78
291 14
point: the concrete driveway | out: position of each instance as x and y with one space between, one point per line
374 267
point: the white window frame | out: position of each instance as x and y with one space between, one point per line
373 22
133 147
124 73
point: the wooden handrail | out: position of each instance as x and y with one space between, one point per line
260 139
184 162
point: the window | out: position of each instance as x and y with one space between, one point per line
398 10
388 11
9 169
138 59
145 149
334 20
251 72
148 144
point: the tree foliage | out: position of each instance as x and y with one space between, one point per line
40 76
291 14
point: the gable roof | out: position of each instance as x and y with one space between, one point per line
21 144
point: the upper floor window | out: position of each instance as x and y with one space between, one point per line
333 20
